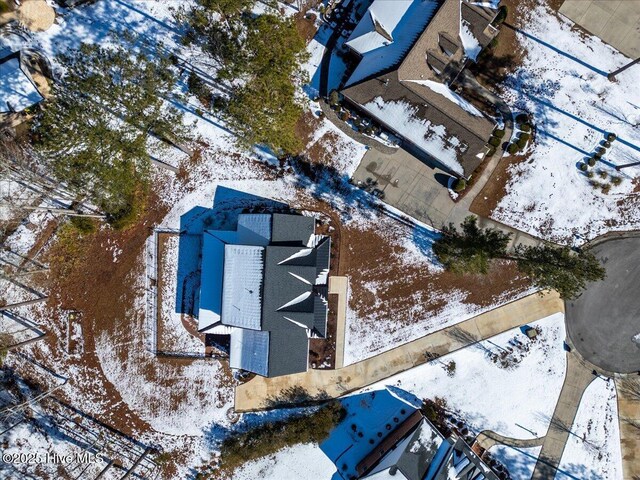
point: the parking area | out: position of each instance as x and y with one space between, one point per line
408 184
616 22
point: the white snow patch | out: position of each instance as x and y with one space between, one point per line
433 139
446 92
493 397
593 449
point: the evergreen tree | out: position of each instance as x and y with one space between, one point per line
559 268
472 249
260 56
94 131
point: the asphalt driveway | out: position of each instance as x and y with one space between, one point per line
604 322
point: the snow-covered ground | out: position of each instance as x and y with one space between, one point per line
517 401
294 463
519 461
593 449
563 84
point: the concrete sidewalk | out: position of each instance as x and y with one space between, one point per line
577 378
260 392
340 286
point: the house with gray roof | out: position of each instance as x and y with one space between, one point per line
416 450
265 285
409 52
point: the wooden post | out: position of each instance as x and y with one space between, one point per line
612 75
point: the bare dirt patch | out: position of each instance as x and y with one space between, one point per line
496 187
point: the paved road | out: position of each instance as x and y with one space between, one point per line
576 381
604 320
260 392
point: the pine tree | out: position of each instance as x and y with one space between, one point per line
472 249
260 56
558 268
94 131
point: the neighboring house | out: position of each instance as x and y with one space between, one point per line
17 90
416 450
265 284
410 51
384 436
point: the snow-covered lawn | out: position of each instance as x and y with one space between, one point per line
519 461
301 461
593 449
563 84
513 401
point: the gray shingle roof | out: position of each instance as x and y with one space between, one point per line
273 286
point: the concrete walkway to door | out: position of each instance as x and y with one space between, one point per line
261 393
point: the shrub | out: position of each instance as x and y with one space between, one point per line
459 185
268 438
4 7
611 137
493 43
345 116
602 174
450 368
605 188
513 148
601 150
583 167
597 156
594 183
523 138
491 152
499 133
83 224
592 161
525 127
616 180
606 144
589 173
334 98
494 142
522 118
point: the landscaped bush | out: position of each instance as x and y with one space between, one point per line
605 188
334 98
522 118
592 161
590 173
459 185
594 183
611 137
345 116
583 167
494 142
513 148
602 174
492 151
606 144
523 138
616 180
601 150
597 156
499 133
268 438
